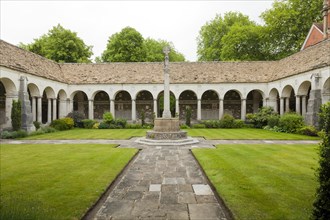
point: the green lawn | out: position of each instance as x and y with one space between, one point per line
263 181
246 134
112 134
56 181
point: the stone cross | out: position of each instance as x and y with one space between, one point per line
166 112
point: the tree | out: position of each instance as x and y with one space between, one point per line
125 46
16 115
288 23
154 51
61 45
243 43
322 202
209 41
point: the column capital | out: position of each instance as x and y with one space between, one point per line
243 99
133 100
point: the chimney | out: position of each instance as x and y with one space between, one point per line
326 19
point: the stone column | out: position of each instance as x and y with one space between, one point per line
287 104
155 107
220 108
69 105
303 105
49 111
298 104
177 108
62 108
54 109
265 102
39 112
167 111
281 106
199 109
34 109
112 107
90 109
23 95
133 110
243 109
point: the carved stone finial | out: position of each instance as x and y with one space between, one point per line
166 50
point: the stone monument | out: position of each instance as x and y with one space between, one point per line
166 129
27 123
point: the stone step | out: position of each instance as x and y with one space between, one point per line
178 142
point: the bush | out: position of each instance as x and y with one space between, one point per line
104 125
69 122
107 117
14 134
133 126
212 123
184 126
273 120
48 129
261 118
308 130
96 125
238 123
199 126
120 123
37 124
88 123
77 118
227 121
16 115
62 124
290 122
188 116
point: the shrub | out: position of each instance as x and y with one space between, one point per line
62 124
147 126
238 123
37 124
16 115
37 132
48 129
6 135
21 134
212 123
88 123
321 206
120 123
184 126
199 126
107 117
96 125
290 122
261 118
13 134
133 126
227 121
273 120
104 125
77 118
308 130
188 116
69 122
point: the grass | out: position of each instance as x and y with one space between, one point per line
246 134
56 181
81 134
263 181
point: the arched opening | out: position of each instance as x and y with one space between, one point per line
274 100
34 95
80 103
303 97
210 105
254 101
47 105
232 104
62 104
2 104
8 92
160 103
288 95
188 98
326 91
101 104
144 103
123 105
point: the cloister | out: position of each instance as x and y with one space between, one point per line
211 89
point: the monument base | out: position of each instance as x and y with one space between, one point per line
166 129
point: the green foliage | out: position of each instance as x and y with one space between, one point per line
172 104
16 115
209 41
308 130
36 124
291 122
107 117
188 116
62 124
227 121
142 116
77 117
133 126
212 123
120 123
13 134
61 45
88 123
104 125
321 206
261 118
154 51
273 120
287 24
198 126
184 126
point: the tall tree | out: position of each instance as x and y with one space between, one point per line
288 23
209 44
154 51
61 45
125 46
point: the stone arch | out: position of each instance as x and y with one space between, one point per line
101 104
61 104
160 104
9 86
123 105
254 101
304 88
34 94
232 103
326 91
50 94
144 103
210 105
47 105
8 92
188 98
80 102
274 99
33 90
288 94
302 97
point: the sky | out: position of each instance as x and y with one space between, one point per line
95 21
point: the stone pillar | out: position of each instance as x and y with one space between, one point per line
49 111
287 104
62 108
199 109
34 109
155 107
167 111
243 109
133 110
69 105
27 123
314 101
177 108
298 104
54 109
39 112
265 102
112 107
303 105
220 108
281 105
90 109
9 104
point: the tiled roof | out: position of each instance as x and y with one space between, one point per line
184 72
